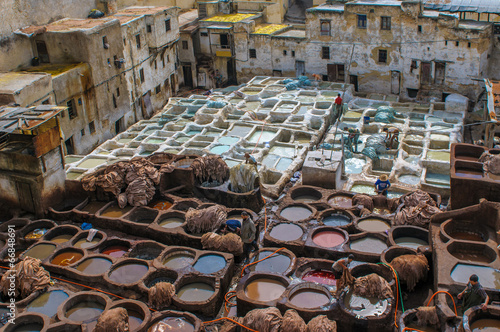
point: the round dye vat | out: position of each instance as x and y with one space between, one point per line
286 232
369 244
47 303
306 198
195 292
32 327
83 243
296 213
341 201
328 239
364 306
115 211
36 233
467 236
128 273
264 290
410 242
320 277
277 263
115 251
488 277
178 261
309 298
373 225
84 311
208 264
67 258
40 251
486 325
160 205
174 324
61 238
336 220
135 320
94 266
171 222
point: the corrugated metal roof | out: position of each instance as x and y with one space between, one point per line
23 118
479 6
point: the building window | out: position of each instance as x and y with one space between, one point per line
325 28
148 28
325 77
138 40
47 101
385 23
158 88
114 102
185 45
91 127
293 53
167 25
284 52
446 43
362 21
382 56
105 42
457 43
163 60
118 92
70 147
168 58
82 132
325 52
224 40
468 44
253 53
72 113
277 73
204 34
141 74
419 29
167 83
156 65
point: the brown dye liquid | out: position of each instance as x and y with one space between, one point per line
84 311
115 211
340 201
195 292
469 174
61 238
309 298
373 225
40 251
486 325
467 236
472 257
306 198
93 207
264 290
467 158
67 258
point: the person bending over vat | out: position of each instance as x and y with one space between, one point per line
339 266
247 234
473 294
231 226
391 135
382 185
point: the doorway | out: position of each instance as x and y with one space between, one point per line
41 49
300 68
395 82
336 72
25 196
231 72
353 79
425 73
172 84
188 75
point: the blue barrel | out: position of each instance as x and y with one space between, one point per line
366 119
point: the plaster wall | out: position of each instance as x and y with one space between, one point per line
183 4
34 88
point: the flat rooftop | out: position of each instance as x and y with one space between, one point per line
141 10
188 17
26 118
52 69
73 24
269 29
11 82
294 33
229 18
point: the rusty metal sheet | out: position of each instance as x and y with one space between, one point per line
46 141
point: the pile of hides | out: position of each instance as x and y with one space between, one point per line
211 169
321 323
30 277
372 285
347 280
230 243
270 320
491 163
411 269
427 316
417 210
113 320
205 220
243 178
364 200
264 320
160 295
137 177
384 114
292 322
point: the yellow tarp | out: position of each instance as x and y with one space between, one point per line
229 18
268 29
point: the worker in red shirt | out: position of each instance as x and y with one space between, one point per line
338 105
